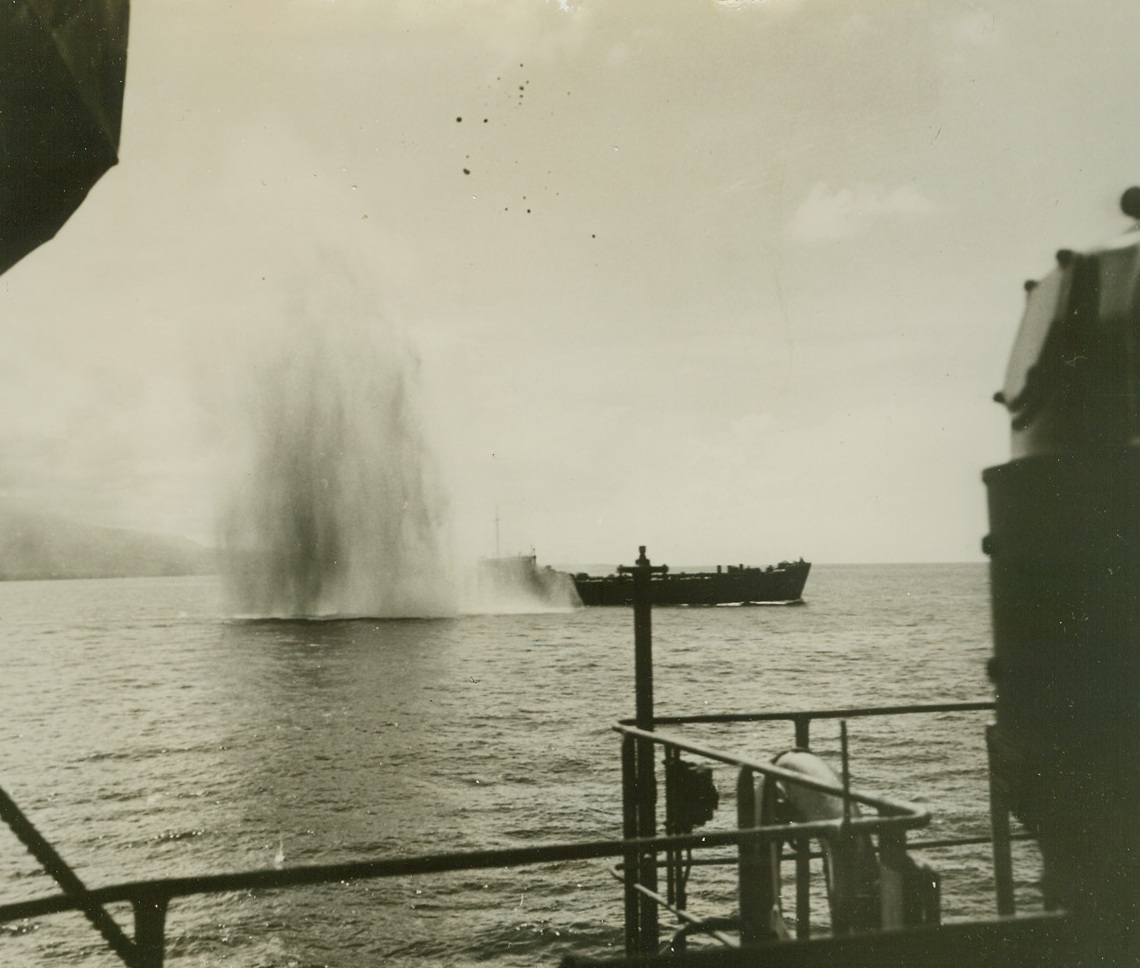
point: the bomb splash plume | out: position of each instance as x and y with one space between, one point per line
334 508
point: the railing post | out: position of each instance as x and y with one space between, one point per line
674 857
150 928
647 827
803 732
632 860
757 875
803 887
749 876
672 879
803 847
843 845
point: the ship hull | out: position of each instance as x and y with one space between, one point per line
780 583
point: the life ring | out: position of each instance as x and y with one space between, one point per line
851 868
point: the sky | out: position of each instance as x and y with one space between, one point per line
733 280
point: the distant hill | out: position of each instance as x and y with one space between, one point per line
35 546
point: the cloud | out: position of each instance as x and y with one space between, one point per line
826 215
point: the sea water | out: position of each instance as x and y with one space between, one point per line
147 736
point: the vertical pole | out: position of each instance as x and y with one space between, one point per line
670 826
803 732
674 824
846 772
642 572
629 832
803 848
150 929
646 774
839 844
803 887
757 887
750 898
678 859
843 852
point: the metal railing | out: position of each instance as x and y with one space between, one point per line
150 899
758 879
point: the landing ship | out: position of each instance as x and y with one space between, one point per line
734 585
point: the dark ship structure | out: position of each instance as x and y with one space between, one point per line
1064 548
734 585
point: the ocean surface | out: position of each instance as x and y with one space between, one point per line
147 736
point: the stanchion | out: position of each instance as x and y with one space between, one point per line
646 783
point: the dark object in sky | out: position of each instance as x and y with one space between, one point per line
62 68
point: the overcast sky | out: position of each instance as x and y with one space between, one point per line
734 280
